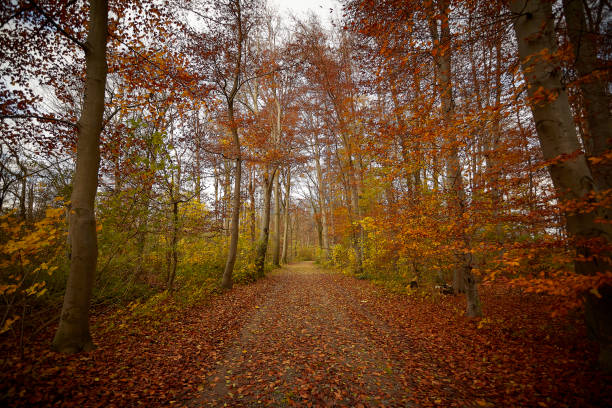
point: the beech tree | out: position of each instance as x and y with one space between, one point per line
587 43
222 48
572 177
331 72
73 332
463 278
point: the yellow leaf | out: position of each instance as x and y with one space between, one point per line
595 292
8 323
8 289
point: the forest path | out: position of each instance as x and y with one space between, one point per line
311 343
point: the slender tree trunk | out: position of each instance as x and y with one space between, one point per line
295 234
403 140
463 272
322 205
356 217
73 333
277 219
493 139
230 99
262 244
216 177
572 178
319 226
252 205
144 223
173 247
23 196
227 196
198 159
234 226
30 202
286 230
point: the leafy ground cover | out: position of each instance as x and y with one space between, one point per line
306 337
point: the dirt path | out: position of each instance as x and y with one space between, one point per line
306 337
309 343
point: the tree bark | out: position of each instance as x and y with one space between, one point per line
570 173
227 196
226 282
593 88
73 333
277 220
173 247
443 63
234 226
322 204
23 196
264 235
252 205
216 178
356 227
30 202
286 227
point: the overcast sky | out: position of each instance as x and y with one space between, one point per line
302 7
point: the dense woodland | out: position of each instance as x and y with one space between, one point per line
156 153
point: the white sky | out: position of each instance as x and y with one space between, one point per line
301 8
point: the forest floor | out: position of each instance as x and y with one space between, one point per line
305 336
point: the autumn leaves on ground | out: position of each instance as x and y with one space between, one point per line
307 336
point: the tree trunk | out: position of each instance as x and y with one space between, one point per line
23 196
227 196
572 178
235 223
234 226
295 234
262 244
277 219
173 247
286 227
594 90
322 206
198 159
453 168
356 213
216 178
458 280
30 202
73 333
252 205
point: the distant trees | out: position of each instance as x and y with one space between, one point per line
225 52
